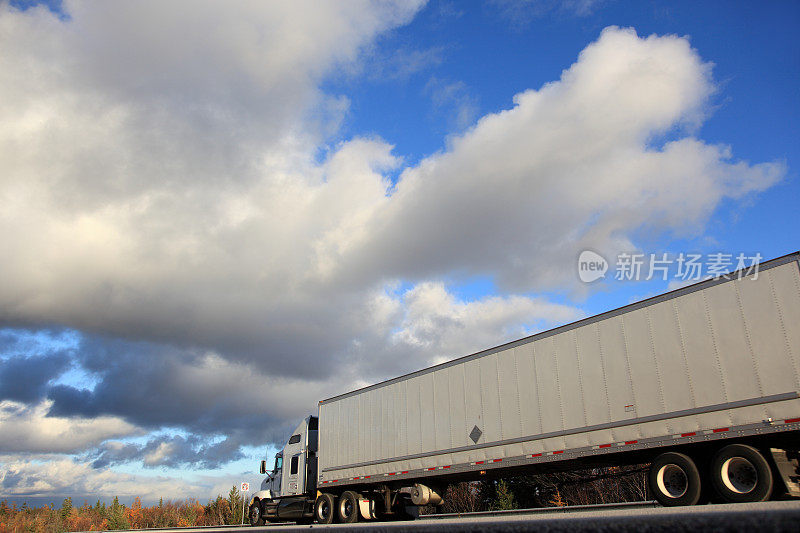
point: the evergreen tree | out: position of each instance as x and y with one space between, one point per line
66 508
504 498
235 503
116 516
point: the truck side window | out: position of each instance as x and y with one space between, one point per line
294 466
294 439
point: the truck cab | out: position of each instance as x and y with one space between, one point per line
288 491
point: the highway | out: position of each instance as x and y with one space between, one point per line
638 518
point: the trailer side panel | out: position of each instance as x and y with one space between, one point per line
720 356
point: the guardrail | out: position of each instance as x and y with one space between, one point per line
546 510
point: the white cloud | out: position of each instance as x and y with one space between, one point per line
28 429
576 164
63 476
171 194
439 325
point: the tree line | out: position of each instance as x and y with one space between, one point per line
580 487
116 516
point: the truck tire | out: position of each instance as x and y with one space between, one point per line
347 508
740 473
325 508
674 480
255 515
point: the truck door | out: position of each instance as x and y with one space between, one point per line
276 476
297 475
294 458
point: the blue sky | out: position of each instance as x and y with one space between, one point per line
207 234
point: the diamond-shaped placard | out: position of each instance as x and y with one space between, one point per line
475 434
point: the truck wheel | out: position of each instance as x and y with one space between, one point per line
674 480
347 509
255 514
741 474
325 508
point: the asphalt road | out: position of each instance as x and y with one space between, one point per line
767 516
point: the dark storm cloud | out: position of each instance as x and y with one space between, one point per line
154 386
25 379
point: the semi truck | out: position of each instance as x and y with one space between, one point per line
701 383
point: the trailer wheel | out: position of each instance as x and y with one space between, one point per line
674 480
741 474
325 508
256 519
347 509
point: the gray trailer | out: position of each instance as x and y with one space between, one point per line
701 382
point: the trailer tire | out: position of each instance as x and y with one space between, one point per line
740 473
325 508
347 508
255 515
674 480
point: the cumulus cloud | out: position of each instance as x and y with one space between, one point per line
136 219
576 164
28 429
69 477
164 198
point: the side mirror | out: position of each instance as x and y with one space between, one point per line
263 469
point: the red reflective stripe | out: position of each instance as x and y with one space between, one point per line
404 472
559 451
496 460
690 434
478 462
791 420
429 469
536 455
721 430
366 477
631 441
605 446
448 466
391 473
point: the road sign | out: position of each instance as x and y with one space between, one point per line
245 487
